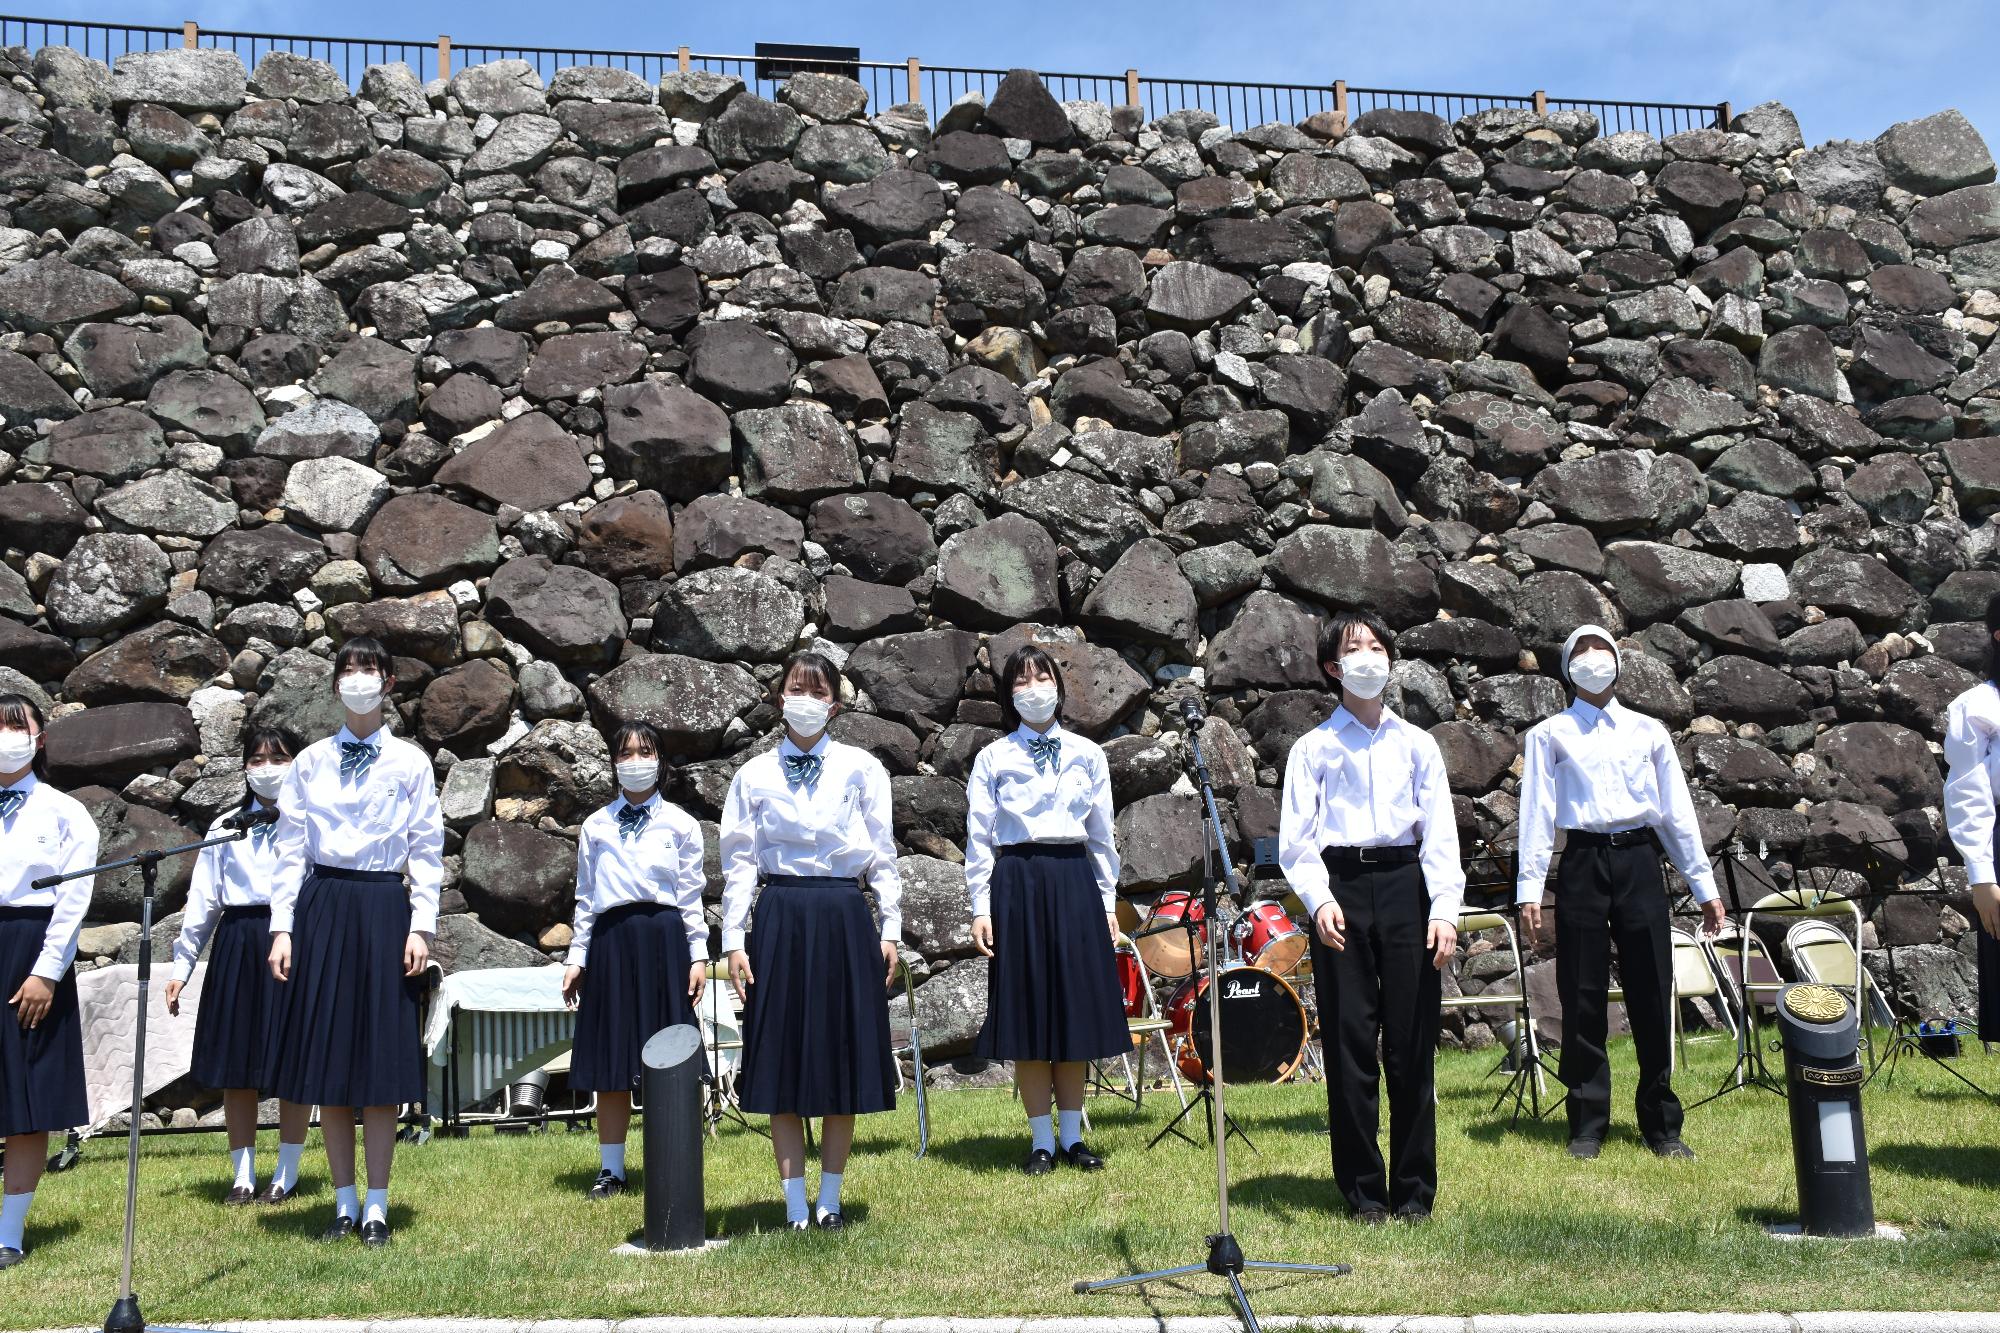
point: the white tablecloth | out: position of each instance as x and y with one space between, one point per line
108 1000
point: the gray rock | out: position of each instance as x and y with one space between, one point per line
107 581
567 614
1934 155
997 574
730 614
691 701
1842 171
186 79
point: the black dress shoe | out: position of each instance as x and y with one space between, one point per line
608 1186
1373 1217
272 1195
1672 1148
1585 1150
10 1257
374 1234
832 1222
1082 1158
343 1227
239 1196
1416 1214
1039 1162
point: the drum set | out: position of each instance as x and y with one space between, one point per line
1265 980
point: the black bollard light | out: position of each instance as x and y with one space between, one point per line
675 1210
1822 1036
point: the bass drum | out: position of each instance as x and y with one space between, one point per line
1263 1027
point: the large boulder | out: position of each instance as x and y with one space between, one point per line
997 574
516 878
730 614
562 612
692 702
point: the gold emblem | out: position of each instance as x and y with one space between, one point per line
1815 1004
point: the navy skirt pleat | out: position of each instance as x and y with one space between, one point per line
634 984
1989 985
816 1023
239 1001
346 1031
1052 988
41 1070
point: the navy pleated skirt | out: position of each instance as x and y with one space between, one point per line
239 1002
634 984
1989 985
816 1024
346 1029
41 1070
1052 987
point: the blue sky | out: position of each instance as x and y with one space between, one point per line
1847 68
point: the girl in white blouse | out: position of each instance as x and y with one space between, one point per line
357 816
1043 877
230 902
638 960
43 832
808 822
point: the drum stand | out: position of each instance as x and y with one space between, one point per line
1225 1257
125 1316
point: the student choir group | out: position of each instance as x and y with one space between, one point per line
317 925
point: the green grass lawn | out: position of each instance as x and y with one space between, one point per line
500 1226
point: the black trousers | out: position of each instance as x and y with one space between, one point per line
1989 984
1382 985
1604 896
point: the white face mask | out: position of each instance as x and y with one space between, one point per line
805 714
1593 671
361 693
638 774
1365 674
265 779
1036 703
17 751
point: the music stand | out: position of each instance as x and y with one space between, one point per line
1490 881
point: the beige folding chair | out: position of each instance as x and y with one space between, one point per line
1802 902
1819 951
1527 1086
907 1039
1694 979
722 1034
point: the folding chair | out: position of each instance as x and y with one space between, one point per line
1802 902
723 1035
1695 978
1820 952
1146 1026
1527 1086
907 1038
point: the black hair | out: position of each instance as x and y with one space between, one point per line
637 730
1017 665
363 651
1335 630
18 711
262 737
1993 645
815 664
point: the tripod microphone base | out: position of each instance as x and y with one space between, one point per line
125 1316
1224 1255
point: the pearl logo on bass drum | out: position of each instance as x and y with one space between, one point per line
1238 989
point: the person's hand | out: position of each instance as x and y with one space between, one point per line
1111 920
1986 902
281 955
174 997
1712 918
31 1002
697 981
572 984
416 953
982 935
1331 923
889 962
1442 940
1531 922
740 976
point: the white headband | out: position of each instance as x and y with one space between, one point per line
1584 631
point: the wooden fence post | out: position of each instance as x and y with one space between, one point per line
1131 87
1340 103
190 34
444 56
1541 103
685 59
1722 116
916 82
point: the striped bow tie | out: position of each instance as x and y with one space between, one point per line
632 821
11 800
263 835
1047 751
355 756
802 770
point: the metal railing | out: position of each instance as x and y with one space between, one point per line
935 87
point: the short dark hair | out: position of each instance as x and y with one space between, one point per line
1335 629
814 664
1017 665
1993 646
638 729
17 711
363 651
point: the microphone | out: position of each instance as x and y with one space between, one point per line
250 818
1191 714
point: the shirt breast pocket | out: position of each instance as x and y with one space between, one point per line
1635 770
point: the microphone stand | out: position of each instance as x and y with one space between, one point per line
1225 1257
125 1316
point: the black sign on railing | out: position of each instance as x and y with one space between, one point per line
777 61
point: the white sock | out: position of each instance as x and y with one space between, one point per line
611 1156
1044 1131
795 1198
286 1174
245 1162
1072 1127
378 1207
14 1220
346 1202
829 1193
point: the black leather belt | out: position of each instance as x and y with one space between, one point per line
1352 857
1630 837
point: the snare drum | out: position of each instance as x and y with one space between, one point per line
1166 951
1264 1027
1267 937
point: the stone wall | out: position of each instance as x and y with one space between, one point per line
596 399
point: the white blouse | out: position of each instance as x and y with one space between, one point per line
1347 786
1009 799
232 874
1605 770
655 857
50 834
1972 754
381 816
840 825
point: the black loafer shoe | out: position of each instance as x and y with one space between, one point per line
1373 1217
1672 1148
1585 1150
1414 1216
10 1257
832 1222
239 1196
608 1186
1039 1162
374 1234
272 1195
343 1227
1082 1158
